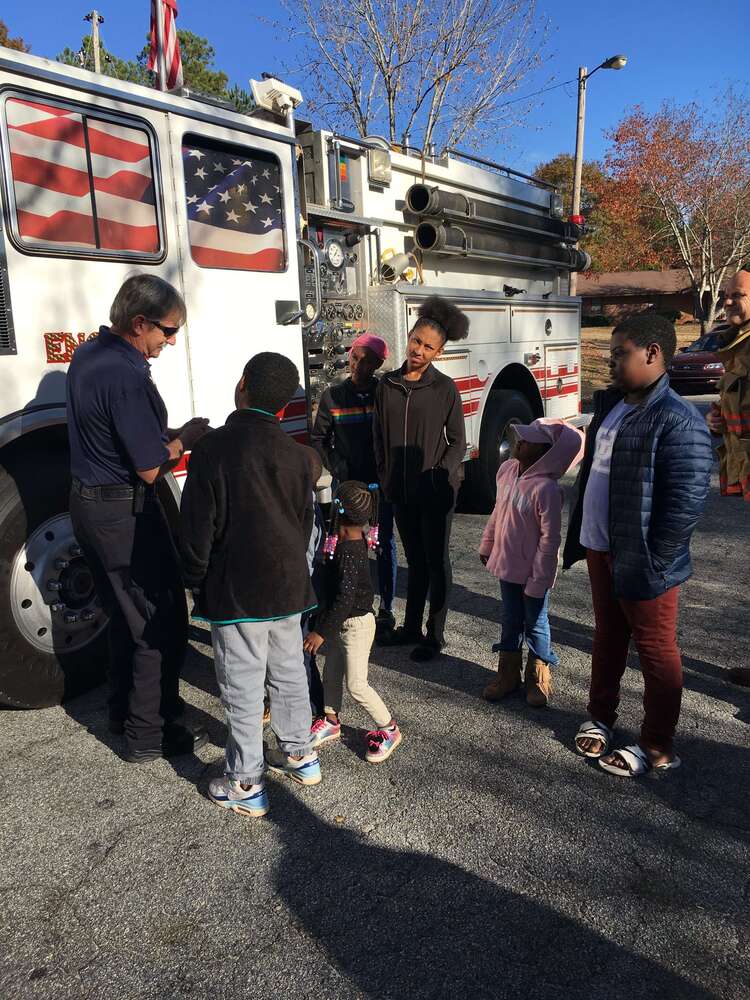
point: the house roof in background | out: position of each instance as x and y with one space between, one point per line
623 283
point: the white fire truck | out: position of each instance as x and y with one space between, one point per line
101 178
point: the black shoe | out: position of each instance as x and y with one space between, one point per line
425 651
117 726
385 621
400 637
176 741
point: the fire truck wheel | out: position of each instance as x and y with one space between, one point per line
504 407
53 641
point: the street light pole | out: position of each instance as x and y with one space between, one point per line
614 62
575 209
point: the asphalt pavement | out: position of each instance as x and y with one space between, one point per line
485 859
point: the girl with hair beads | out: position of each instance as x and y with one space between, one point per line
345 628
420 443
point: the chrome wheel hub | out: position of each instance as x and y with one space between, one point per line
505 448
52 593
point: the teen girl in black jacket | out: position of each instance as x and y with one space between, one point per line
420 442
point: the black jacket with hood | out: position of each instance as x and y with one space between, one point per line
419 436
245 522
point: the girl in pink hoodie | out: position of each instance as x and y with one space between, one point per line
520 545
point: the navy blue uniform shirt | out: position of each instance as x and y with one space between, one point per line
117 421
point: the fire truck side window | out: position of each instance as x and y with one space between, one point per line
234 202
80 183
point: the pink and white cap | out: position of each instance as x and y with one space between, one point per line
375 344
541 431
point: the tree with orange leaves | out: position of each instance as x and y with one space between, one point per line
689 167
619 230
12 43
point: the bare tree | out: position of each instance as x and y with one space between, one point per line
438 70
691 165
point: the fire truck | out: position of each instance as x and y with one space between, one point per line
280 237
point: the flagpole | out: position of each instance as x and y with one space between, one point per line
160 53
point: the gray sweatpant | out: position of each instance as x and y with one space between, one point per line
249 657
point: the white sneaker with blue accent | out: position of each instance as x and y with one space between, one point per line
305 770
229 794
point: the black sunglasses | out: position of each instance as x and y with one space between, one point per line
168 331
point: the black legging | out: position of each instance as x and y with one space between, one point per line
425 531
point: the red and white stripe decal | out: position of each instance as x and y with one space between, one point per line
294 419
181 469
472 387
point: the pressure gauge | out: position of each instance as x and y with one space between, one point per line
335 254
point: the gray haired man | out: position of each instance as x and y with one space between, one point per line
119 447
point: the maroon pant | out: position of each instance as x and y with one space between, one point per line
653 627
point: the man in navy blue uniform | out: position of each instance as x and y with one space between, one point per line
119 447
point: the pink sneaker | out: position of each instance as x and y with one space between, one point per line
381 743
325 731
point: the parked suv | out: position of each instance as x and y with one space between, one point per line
697 366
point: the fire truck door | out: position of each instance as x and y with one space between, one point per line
235 205
561 380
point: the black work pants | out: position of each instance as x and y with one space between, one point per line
425 530
134 563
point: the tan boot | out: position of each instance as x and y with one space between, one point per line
538 682
508 676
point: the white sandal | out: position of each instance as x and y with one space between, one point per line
592 730
636 762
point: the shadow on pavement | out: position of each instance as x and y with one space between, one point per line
701 676
406 924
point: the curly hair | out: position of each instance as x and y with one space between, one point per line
650 328
270 381
444 317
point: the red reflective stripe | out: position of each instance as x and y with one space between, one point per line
567 390
181 469
294 408
468 382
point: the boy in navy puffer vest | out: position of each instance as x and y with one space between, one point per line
642 486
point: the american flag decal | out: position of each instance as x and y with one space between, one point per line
234 207
59 200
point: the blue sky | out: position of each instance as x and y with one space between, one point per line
675 51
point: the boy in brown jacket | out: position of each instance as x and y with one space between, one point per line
731 417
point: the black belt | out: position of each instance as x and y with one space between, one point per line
140 491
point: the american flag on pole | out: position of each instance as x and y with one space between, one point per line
79 180
234 208
164 42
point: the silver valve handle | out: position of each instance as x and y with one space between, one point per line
308 321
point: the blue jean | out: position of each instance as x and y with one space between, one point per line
387 557
525 618
314 683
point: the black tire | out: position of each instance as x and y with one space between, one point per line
34 488
504 407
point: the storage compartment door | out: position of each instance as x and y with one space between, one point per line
562 381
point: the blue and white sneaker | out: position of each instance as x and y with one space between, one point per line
230 794
306 771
